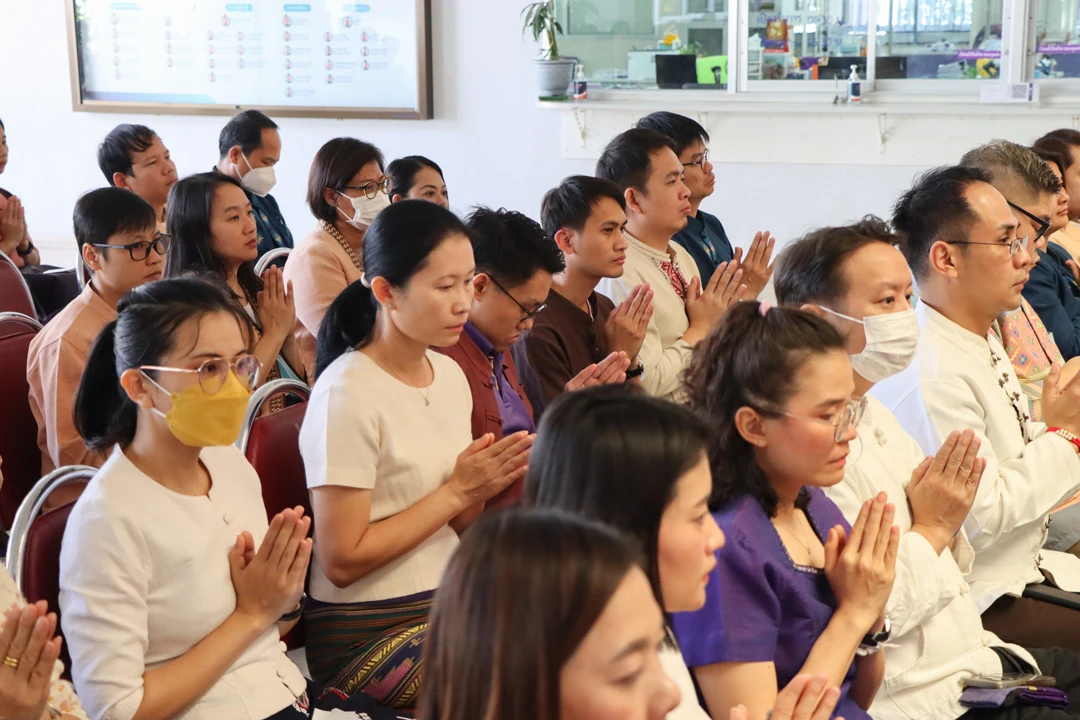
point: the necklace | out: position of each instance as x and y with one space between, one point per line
790 530
425 395
334 233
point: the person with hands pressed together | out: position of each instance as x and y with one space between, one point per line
214 232
30 685
580 328
643 164
960 241
14 238
393 470
799 592
174 589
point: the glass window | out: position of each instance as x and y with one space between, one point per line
1057 34
647 43
939 39
806 39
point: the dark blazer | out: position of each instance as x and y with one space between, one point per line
1055 297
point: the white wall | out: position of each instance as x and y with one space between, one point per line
495 145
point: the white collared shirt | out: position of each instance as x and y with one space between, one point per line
959 380
664 354
145 576
937 633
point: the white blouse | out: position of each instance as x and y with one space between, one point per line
144 577
671 660
366 429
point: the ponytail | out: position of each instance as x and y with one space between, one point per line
104 414
349 323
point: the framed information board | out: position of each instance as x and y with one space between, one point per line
321 58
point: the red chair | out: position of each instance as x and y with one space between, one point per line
14 292
271 444
18 428
33 555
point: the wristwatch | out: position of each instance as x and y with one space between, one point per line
636 372
295 614
29 249
873 642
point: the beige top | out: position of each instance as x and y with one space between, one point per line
319 269
54 368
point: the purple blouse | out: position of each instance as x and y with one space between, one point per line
773 610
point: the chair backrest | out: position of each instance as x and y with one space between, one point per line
33 556
14 292
269 257
18 429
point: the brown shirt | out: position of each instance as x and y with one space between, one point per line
54 369
319 270
563 341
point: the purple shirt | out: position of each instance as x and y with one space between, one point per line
773 610
515 415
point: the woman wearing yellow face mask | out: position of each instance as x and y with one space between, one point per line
173 587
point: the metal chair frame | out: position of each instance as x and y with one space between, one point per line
4 258
30 510
269 257
261 396
18 317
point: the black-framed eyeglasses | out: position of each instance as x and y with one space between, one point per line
700 163
1014 245
139 251
1042 225
371 188
847 418
529 314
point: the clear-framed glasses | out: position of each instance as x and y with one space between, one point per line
214 372
529 314
1040 223
700 163
371 188
139 251
1014 246
847 418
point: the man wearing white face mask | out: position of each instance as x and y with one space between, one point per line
936 632
249 147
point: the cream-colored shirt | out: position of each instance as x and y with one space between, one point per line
671 660
54 369
959 380
937 633
664 354
145 576
366 429
319 270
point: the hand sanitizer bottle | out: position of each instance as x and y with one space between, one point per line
581 85
854 86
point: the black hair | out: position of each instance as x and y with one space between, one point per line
403 171
1061 141
1055 157
683 131
750 360
811 269
246 130
190 209
2 126
102 213
335 164
396 247
571 203
935 209
512 247
612 454
115 151
627 159
144 331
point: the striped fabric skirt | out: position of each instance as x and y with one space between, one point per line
374 648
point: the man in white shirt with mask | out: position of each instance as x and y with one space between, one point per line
853 277
960 240
249 147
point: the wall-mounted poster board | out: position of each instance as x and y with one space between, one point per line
322 58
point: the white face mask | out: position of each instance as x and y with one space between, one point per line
258 180
365 209
891 341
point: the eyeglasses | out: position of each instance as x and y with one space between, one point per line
139 251
1043 225
700 163
529 314
1014 246
214 372
371 188
850 416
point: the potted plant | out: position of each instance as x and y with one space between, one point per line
553 73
